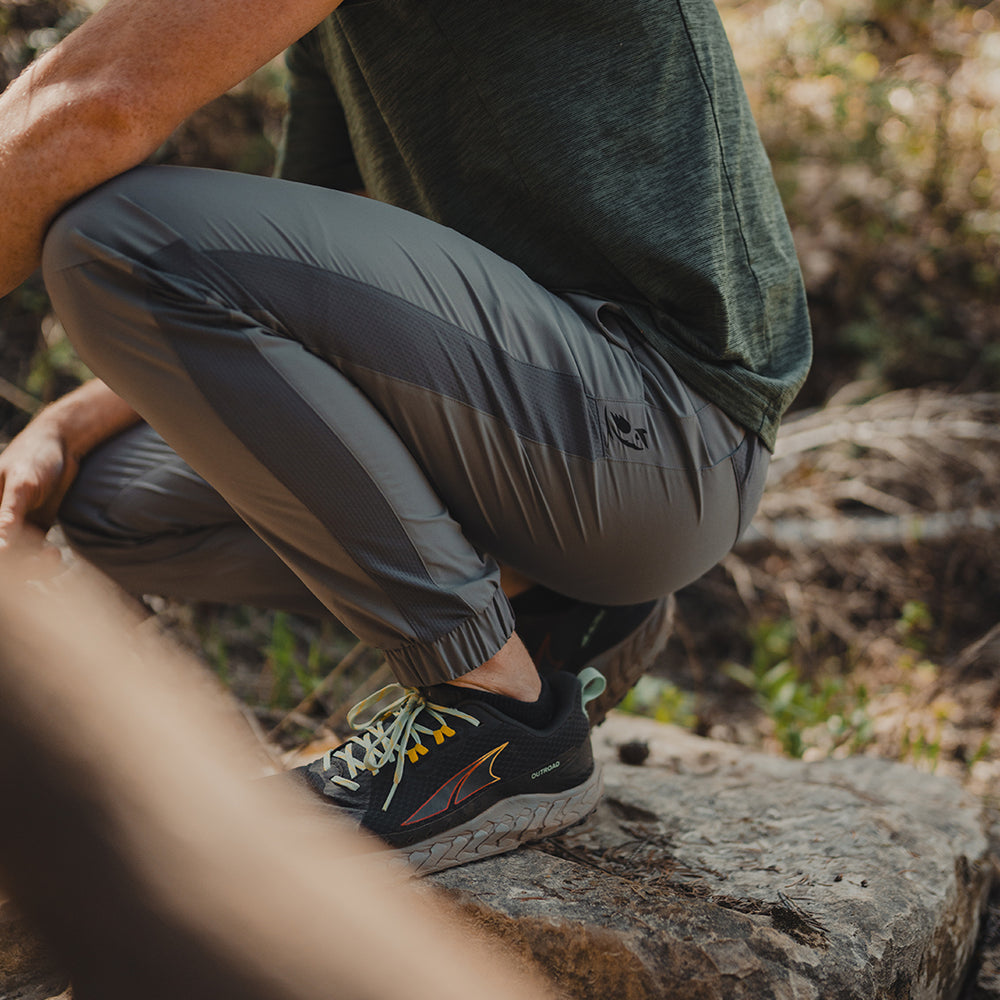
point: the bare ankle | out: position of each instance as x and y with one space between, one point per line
510 672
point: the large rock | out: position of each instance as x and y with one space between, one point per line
713 872
983 982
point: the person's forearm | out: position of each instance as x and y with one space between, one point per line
88 415
61 133
106 97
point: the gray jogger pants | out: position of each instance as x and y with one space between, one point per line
392 410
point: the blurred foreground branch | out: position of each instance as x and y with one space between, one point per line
134 838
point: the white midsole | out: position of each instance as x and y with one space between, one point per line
506 825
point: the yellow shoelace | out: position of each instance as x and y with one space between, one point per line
399 740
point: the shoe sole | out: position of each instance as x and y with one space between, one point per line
505 826
624 664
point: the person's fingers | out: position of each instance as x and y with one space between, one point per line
44 514
33 482
18 505
25 541
13 507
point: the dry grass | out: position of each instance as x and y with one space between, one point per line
877 543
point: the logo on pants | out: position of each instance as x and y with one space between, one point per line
621 428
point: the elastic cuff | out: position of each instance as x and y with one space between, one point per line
463 649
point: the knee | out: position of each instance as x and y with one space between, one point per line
117 223
75 253
112 502
111 545
93 537
81 231
108 525
92 262
95 517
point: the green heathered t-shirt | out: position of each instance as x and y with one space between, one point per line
603 147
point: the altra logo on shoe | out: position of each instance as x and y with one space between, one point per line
459 787
620 428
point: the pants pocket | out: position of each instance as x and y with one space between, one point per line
750 463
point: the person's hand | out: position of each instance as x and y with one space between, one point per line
36 470
40 464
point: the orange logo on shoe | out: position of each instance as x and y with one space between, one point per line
459 787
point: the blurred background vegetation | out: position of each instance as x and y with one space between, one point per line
882 120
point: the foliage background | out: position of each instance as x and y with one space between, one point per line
883 123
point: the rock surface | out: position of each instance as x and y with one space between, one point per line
27 971
983 982
712 872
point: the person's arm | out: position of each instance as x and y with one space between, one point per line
111 92
97 104
38 466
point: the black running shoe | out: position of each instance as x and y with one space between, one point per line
563 634
445 777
